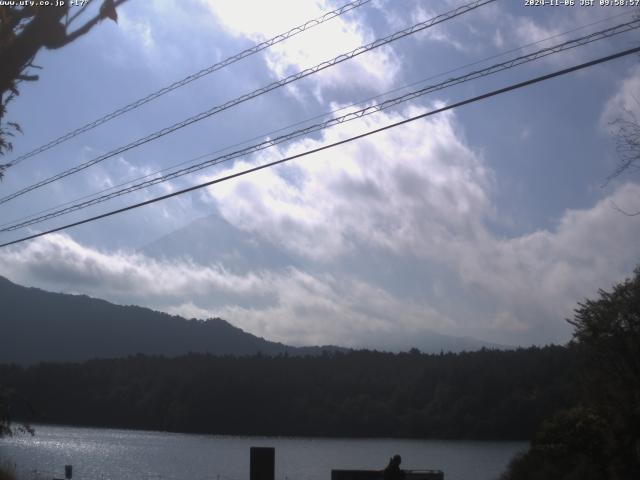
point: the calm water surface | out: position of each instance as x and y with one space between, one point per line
126 455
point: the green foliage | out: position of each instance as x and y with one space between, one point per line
579 430
601 437
535 465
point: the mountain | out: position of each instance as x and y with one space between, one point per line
212 240
38 326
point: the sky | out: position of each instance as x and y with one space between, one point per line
490 221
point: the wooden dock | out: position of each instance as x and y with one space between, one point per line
379 474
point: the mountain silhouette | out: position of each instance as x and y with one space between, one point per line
38 326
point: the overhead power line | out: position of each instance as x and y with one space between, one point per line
542 53
280 83
315 117
484 96
195 76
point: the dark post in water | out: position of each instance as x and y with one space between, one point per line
262 463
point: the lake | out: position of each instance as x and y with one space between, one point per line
97 454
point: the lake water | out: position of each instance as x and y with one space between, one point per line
126 455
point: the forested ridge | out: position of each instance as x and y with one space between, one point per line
41 326
487 394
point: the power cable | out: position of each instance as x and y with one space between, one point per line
335 144
280 83
195 76
325 114
570 44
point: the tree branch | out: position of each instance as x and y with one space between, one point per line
28 78
70 37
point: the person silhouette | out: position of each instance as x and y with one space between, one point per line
393 471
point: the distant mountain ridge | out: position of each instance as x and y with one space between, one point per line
40 326
243 253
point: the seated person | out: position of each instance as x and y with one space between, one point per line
393 471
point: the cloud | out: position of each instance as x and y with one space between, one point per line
420 191
59 260
439 33
376 69
288 305
150 36
405 189
541 275
414 197
539 32
139 31
626 99
528 30
531 283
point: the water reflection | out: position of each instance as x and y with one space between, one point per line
104 454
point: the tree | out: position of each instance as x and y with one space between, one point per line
600 437
24 31
607 335
9 398
627 137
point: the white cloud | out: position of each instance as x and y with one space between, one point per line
139 31
290 305
540 32
59 260
626 100
421 191
541 276
315 310
403 189
418 193
528 30
438 33
532 283
377 68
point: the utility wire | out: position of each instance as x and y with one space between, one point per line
272 86
195 76
570 44
322 115
335 144
315 117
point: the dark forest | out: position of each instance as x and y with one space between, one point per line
487 394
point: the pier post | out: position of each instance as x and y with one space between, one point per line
262 463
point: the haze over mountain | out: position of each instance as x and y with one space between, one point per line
214 241
40 326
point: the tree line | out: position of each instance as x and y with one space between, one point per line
579 404
487 394
598 437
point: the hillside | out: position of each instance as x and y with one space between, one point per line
42 326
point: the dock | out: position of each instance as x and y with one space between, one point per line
379 474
